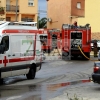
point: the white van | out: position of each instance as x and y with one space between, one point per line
18 47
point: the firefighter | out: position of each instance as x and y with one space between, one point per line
75 24
95 48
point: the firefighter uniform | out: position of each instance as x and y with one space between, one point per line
95 50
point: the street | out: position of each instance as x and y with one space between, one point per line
48 82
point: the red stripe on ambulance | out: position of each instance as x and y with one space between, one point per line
21 59
22 31
5 61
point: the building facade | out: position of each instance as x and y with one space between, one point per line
92 13
64 12
26 10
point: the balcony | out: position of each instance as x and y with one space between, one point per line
11 8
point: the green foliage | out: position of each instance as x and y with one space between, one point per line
1 8
74 98
42 23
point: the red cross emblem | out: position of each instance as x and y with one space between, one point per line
5 61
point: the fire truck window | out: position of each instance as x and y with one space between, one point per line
75 35
45 37
41 39
54 36
5 43
54 41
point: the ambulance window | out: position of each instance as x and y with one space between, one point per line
5 42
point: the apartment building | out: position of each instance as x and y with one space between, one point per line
64 12
26 10
92 16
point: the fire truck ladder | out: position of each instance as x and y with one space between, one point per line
66 44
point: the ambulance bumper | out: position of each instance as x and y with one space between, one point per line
38 66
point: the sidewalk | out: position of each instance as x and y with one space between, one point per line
58 52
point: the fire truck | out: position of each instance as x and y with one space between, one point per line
50 39
75 37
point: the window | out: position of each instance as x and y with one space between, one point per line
30 2
4 46
27 19
78 5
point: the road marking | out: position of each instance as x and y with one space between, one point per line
14 97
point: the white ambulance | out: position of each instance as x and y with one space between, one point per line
19 44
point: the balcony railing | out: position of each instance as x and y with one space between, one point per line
11 8
27 19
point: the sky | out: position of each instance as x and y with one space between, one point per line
42 7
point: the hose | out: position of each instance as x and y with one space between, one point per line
85 55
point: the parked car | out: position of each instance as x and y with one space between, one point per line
98 44
96 72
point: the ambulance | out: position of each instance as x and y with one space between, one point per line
19 45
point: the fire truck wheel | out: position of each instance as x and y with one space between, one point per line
31 74
65 55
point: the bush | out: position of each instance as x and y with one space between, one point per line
74 98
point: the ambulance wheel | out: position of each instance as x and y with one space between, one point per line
31 73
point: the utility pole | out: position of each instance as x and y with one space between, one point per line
16 9
38 18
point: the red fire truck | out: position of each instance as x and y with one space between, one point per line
74 37
50 39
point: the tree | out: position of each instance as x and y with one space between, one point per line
42 23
